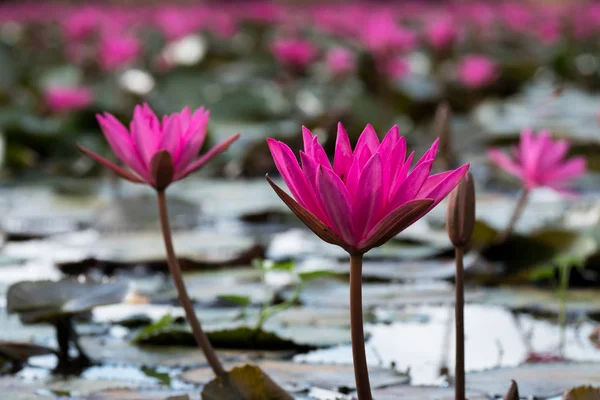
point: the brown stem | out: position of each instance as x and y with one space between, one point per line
184 298
459 373
501 238
361 372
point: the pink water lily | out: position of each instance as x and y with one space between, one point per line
150 143
68 98
368 195
540 161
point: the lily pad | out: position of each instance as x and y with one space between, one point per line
406 392
247 382
120 394
326 376
583 393
538 380
195 250
44 301
21 351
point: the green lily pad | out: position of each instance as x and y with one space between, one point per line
123 394
44 301
21 351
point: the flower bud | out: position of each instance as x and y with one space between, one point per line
162 170
460 218
513 392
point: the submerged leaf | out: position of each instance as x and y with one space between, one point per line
583 393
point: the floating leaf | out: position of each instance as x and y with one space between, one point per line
248 383
37 301
583 393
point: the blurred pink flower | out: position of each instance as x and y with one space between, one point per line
368 195
382 34
340 60
294 52
176 23
81 23
441 33
476 71
181 135
395 68
68 98
119 51
540 161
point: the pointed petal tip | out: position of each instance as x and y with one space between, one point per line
123 173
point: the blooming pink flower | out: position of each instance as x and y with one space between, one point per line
294 52
368 195
340 60
81 23
68 98
477 71
540 161
119 51
441 33
181 135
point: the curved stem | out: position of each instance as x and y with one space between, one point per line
514 218
459 373
361 372
184 298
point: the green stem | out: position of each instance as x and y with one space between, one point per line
361 371
269 311
564 275
184 298
459 373
518 210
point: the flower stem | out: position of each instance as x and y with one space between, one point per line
564 275
501 238
361 372
184 298
459 373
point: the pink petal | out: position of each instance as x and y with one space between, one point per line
208 156
388 143
353 177
556 153
370 199
506 163
171 136
146 139
429 154
292 174
368 138
393 164
118 170
447 185
307 137
319 154
310 168
573 168
193 139
400 176
432 182
336 202
412 184
342 160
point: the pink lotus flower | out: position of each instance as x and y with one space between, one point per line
68 98
81 23
441 33
296 53
382 35
147 144
395 68
368 195
477 71
540 161
340 61
119 51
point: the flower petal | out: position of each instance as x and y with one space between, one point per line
395 222
307 137
312 222
310 168
506 163
573 168
370 199
342 160
336 203
393 165
412 184
388 143
203 160
290 171
368 138
447 185
118 170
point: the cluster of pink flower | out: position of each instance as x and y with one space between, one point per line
388 31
